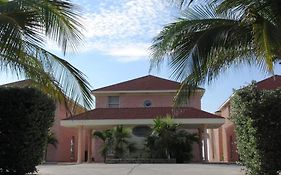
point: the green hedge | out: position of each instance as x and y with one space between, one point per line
25 116
257 117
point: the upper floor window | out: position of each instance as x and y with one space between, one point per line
113 101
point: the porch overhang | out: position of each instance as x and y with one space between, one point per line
106 117
188 123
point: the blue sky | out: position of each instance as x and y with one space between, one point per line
117 36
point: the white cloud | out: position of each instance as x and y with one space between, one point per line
125 28
121 51
128 51
131 19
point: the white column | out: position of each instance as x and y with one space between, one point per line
212 155
205 144
80 152
89 146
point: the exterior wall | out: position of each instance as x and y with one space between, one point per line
137 100
224 138
217 150
64 135
97 144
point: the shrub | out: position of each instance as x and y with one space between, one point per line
256 115
26 114
168 141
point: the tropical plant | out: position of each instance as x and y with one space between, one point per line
121 144
208 39
107 138
115 142
26 26
168 141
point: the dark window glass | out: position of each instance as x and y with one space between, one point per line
147 103
141 131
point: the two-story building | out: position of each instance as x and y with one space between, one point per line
223 140
135 104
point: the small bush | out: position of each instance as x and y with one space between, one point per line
257 118
26 114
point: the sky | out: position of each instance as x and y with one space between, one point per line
118 34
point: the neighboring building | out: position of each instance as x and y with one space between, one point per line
135 104
222 140
64 135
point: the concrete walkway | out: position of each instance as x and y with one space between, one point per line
139 169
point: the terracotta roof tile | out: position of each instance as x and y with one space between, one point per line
270 83
142 113
18 84
148 82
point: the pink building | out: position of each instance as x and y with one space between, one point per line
133 104
222 140
64 135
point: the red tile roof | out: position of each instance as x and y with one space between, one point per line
18 84
142 113
148 82
270 83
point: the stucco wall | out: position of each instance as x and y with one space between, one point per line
64 135
137 100
224 138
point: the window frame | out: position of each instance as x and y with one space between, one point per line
113 103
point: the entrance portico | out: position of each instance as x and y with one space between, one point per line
105 118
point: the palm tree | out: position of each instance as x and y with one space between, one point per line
208 39
107 137
115 142
121 144
25 27
168 140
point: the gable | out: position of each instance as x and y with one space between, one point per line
146 83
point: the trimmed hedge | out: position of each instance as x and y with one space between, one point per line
257 117
25 116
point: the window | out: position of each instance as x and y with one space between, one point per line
141 131
113 101
147 103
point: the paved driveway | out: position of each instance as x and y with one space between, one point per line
140 169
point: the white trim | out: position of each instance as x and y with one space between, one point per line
139 91
226 102
133 91
106 122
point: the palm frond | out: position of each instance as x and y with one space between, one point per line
59 20
24 27
100 135
201 45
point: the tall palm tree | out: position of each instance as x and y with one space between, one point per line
25 27
208 39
